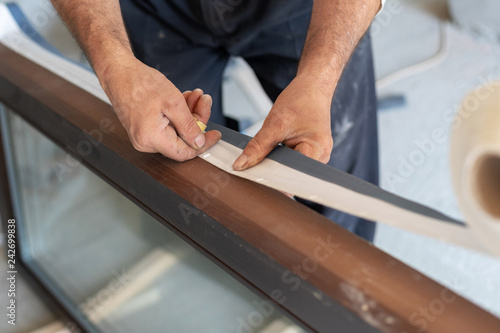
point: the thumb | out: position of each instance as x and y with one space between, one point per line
185 125
259 147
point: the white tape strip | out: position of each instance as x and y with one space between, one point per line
286 179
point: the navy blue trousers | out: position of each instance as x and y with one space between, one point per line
191 42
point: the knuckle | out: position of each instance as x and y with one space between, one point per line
277 124
187 129
325 141
182 155
173 104
328 144
138 93
190 126
257 144
325 154
138 147
324 148
140 140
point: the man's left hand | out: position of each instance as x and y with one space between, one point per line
300 119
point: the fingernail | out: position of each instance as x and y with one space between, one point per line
199 141
240 163
206 96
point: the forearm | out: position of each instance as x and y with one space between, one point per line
335 29
156 115
99 29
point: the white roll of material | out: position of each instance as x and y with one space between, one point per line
475 163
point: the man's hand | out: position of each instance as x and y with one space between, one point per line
158 118
156 115
300 119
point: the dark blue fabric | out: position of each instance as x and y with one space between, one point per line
191 42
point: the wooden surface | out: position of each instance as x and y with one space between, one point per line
246 224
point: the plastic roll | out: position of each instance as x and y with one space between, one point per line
475 163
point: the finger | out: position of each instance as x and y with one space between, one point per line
260 146
203 108
314 151
184 124
174 147
193 98
186 94
139 146
212 137
307 149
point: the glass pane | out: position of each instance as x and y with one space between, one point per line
122 268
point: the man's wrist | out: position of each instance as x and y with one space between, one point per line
113 51
321 77
115 58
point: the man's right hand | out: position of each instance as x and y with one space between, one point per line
156 115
